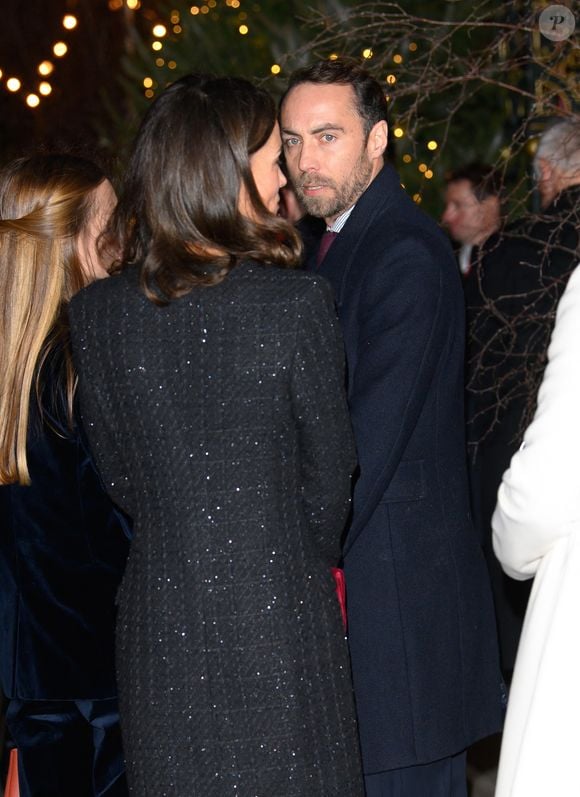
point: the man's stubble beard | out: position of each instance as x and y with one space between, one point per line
345 194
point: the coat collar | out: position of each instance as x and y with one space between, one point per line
380 194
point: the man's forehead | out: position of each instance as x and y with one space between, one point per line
461 189
315 104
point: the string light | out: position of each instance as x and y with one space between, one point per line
275 69
159 31
391 80
422 167
407 158
432 145
46 67
397 58
367 53
243 29
398 132
428 174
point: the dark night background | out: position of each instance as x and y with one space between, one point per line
71 114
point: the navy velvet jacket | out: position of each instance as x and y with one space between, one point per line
63 546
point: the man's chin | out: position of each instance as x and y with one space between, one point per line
317 206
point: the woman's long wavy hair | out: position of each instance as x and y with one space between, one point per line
178 218
46 202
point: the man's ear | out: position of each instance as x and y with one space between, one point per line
378 140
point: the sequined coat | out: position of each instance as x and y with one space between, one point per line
219 423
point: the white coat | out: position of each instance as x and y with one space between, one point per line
536 532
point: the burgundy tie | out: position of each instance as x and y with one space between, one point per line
325 244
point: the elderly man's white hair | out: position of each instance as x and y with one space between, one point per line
557 160
560 144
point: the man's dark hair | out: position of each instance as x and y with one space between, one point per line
370 98
484 180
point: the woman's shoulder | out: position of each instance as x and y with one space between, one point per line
287 284
116 287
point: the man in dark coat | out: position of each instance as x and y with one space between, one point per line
472 214
523 273
421 626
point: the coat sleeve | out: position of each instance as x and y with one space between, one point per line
402 333
325 437
87 318
539 497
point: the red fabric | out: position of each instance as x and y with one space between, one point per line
338 575
325 244
12 789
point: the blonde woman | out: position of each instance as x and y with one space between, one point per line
62 544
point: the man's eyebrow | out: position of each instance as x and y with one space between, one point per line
320 129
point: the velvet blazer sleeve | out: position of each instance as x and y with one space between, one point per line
326 441
539 497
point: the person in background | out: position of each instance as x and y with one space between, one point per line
523 277
536 533
472 215
62 545
420 615
220 428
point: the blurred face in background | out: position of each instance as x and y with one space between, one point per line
468 220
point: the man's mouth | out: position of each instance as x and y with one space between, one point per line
314 188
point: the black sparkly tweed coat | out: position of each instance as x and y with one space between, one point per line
219 423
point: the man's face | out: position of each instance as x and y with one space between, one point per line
468 220
329 158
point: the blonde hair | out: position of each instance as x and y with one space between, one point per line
45 203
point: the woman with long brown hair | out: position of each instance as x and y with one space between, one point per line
211 378
62 543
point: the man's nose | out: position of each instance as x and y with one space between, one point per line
308 160
447 215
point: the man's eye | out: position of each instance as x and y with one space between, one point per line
328 137
290 142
